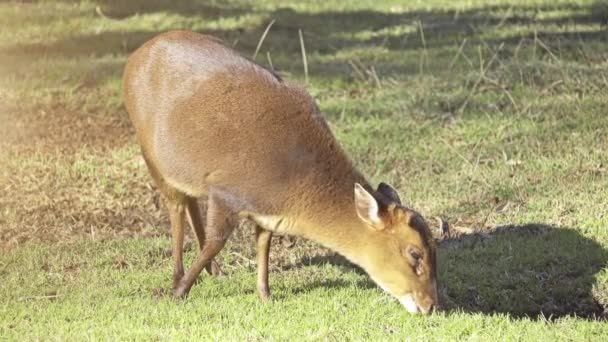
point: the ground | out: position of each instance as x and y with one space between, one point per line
489 114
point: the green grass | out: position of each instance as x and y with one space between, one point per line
111 290
491 114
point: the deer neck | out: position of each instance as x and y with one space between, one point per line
329 218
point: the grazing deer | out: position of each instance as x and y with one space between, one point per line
213 123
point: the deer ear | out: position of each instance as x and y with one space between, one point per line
367 207
389 192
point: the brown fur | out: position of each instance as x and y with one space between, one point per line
213 123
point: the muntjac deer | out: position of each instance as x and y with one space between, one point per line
213 123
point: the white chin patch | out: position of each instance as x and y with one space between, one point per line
408 302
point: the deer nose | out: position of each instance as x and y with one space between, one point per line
429 308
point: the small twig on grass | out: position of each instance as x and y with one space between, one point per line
555 58
100 13
257 48
581 47
542 92
546 48
49 296
464 42
504 18
269 60
356 69
535 42
463 158
485 220
551 86
372 72
424 52
240 256
504 89
343 111
3 267
476 165
480 60
483 73
304 60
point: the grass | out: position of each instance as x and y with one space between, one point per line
111 290
489 114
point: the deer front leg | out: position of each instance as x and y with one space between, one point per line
220 223
196 222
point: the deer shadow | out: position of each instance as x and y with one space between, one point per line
532 270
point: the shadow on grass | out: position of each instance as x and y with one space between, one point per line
330 283
329 32
119 9
332 259
359 45
532 270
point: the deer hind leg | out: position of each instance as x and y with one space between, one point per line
196 222
176 202
263 238
221 221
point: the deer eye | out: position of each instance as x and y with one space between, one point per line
413 255
416 255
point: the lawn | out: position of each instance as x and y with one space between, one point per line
490 114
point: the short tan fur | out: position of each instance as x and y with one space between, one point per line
212 123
